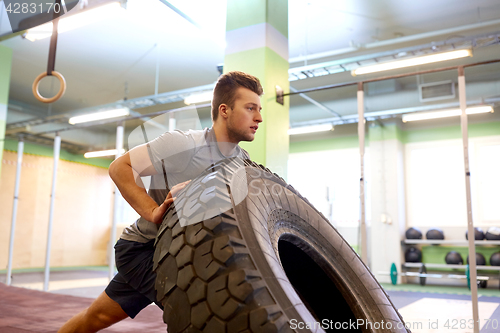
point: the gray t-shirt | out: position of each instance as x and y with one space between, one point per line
177 157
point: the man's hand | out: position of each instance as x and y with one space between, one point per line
159 211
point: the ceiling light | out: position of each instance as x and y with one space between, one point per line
446 113
310 129
427 59
99 116
71 22
110 152
199 98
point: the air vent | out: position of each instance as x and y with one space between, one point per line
436 91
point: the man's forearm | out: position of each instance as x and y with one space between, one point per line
132 189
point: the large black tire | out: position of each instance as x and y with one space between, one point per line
262 259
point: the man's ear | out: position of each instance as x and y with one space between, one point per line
223 109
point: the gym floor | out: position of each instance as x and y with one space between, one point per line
24 308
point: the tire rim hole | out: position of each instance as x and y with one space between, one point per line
314 286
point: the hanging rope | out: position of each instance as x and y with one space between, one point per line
51 62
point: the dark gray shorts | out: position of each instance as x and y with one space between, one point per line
133 287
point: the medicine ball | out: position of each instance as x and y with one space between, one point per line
495 259
413 233
480 260
478 234
434 233
493 233
454 258
413 255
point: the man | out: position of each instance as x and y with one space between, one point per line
171 160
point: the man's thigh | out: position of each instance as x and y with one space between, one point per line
133 287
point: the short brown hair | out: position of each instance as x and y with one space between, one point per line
226 86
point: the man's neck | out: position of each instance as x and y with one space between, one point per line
226 147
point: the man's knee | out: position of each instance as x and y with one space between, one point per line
105 319
104 312
99 318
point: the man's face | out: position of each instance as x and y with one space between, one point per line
244 117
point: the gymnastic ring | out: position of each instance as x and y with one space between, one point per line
59 94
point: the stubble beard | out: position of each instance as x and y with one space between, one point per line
237 135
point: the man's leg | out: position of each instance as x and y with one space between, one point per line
125 296
103 312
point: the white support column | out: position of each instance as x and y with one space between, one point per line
20 149
361 138
470 225
111 250
171 122
57 149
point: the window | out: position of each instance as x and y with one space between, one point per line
435 183
435 179
485 178
330 181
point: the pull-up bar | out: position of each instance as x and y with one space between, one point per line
389 77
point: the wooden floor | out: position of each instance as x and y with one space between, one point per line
23 310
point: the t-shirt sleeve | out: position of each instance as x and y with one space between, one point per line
173 149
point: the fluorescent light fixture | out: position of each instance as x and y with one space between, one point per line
99 116
198 98
427 59
310 129
110 152
446 113
75 21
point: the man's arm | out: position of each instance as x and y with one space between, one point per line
126 172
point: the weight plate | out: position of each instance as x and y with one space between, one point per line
394 274
422 270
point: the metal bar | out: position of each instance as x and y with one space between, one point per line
318 104
352 118
438 266
20 149
439 276
286 94
361 136
396 76
464 242
85 125
111 250
57 149
423 275
470 224
182 14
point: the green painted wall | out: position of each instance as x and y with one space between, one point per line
271 143
451 132
267 148
5 66
5 61
325 144
437 254
34 149
3 125
393 131
274 12
386 132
